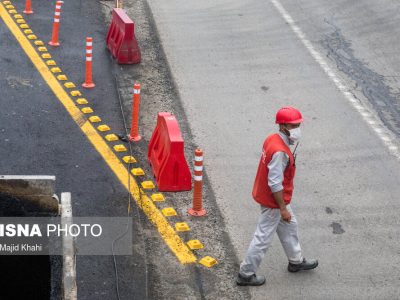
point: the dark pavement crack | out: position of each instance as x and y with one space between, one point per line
371 84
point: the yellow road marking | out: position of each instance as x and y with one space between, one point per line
170 237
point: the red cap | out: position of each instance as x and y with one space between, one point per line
288 115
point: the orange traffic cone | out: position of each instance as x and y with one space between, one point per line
56 24
197 210
28 10
89 52
134 135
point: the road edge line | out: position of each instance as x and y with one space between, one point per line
381 131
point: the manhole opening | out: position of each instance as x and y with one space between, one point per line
27 276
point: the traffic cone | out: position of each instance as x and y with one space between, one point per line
28 10
119 4
134 135
56 24
89 51
197 210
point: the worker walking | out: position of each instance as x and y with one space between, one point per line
273 188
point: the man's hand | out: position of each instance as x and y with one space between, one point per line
285 214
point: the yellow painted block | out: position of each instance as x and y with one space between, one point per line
119 148
32 37
24 26
182 226
208 261
94 119
12 11
195 245
157 197
128 159
21 21
69 85
76 93
169 212
82 101
148 185
111 137
27 31
50 62
55 70
38 42
137 171
6 2
46 55
10 6
62 77
87 110
103 128
17 16
43 49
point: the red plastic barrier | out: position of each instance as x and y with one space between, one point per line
121 40
166 156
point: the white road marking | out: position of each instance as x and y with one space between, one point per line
380 130
28 177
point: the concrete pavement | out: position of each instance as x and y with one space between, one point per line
235 63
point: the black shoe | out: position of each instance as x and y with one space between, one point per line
305 265
252 280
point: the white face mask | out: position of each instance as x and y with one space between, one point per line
295 134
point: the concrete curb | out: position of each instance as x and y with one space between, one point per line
69 270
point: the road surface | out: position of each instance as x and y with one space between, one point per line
235 63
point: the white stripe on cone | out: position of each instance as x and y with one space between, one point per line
198 168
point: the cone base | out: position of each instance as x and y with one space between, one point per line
134 138
56 44
88 85
28 12
197 213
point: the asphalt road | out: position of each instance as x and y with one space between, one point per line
38 137
235 63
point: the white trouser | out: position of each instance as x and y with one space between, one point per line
269 222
